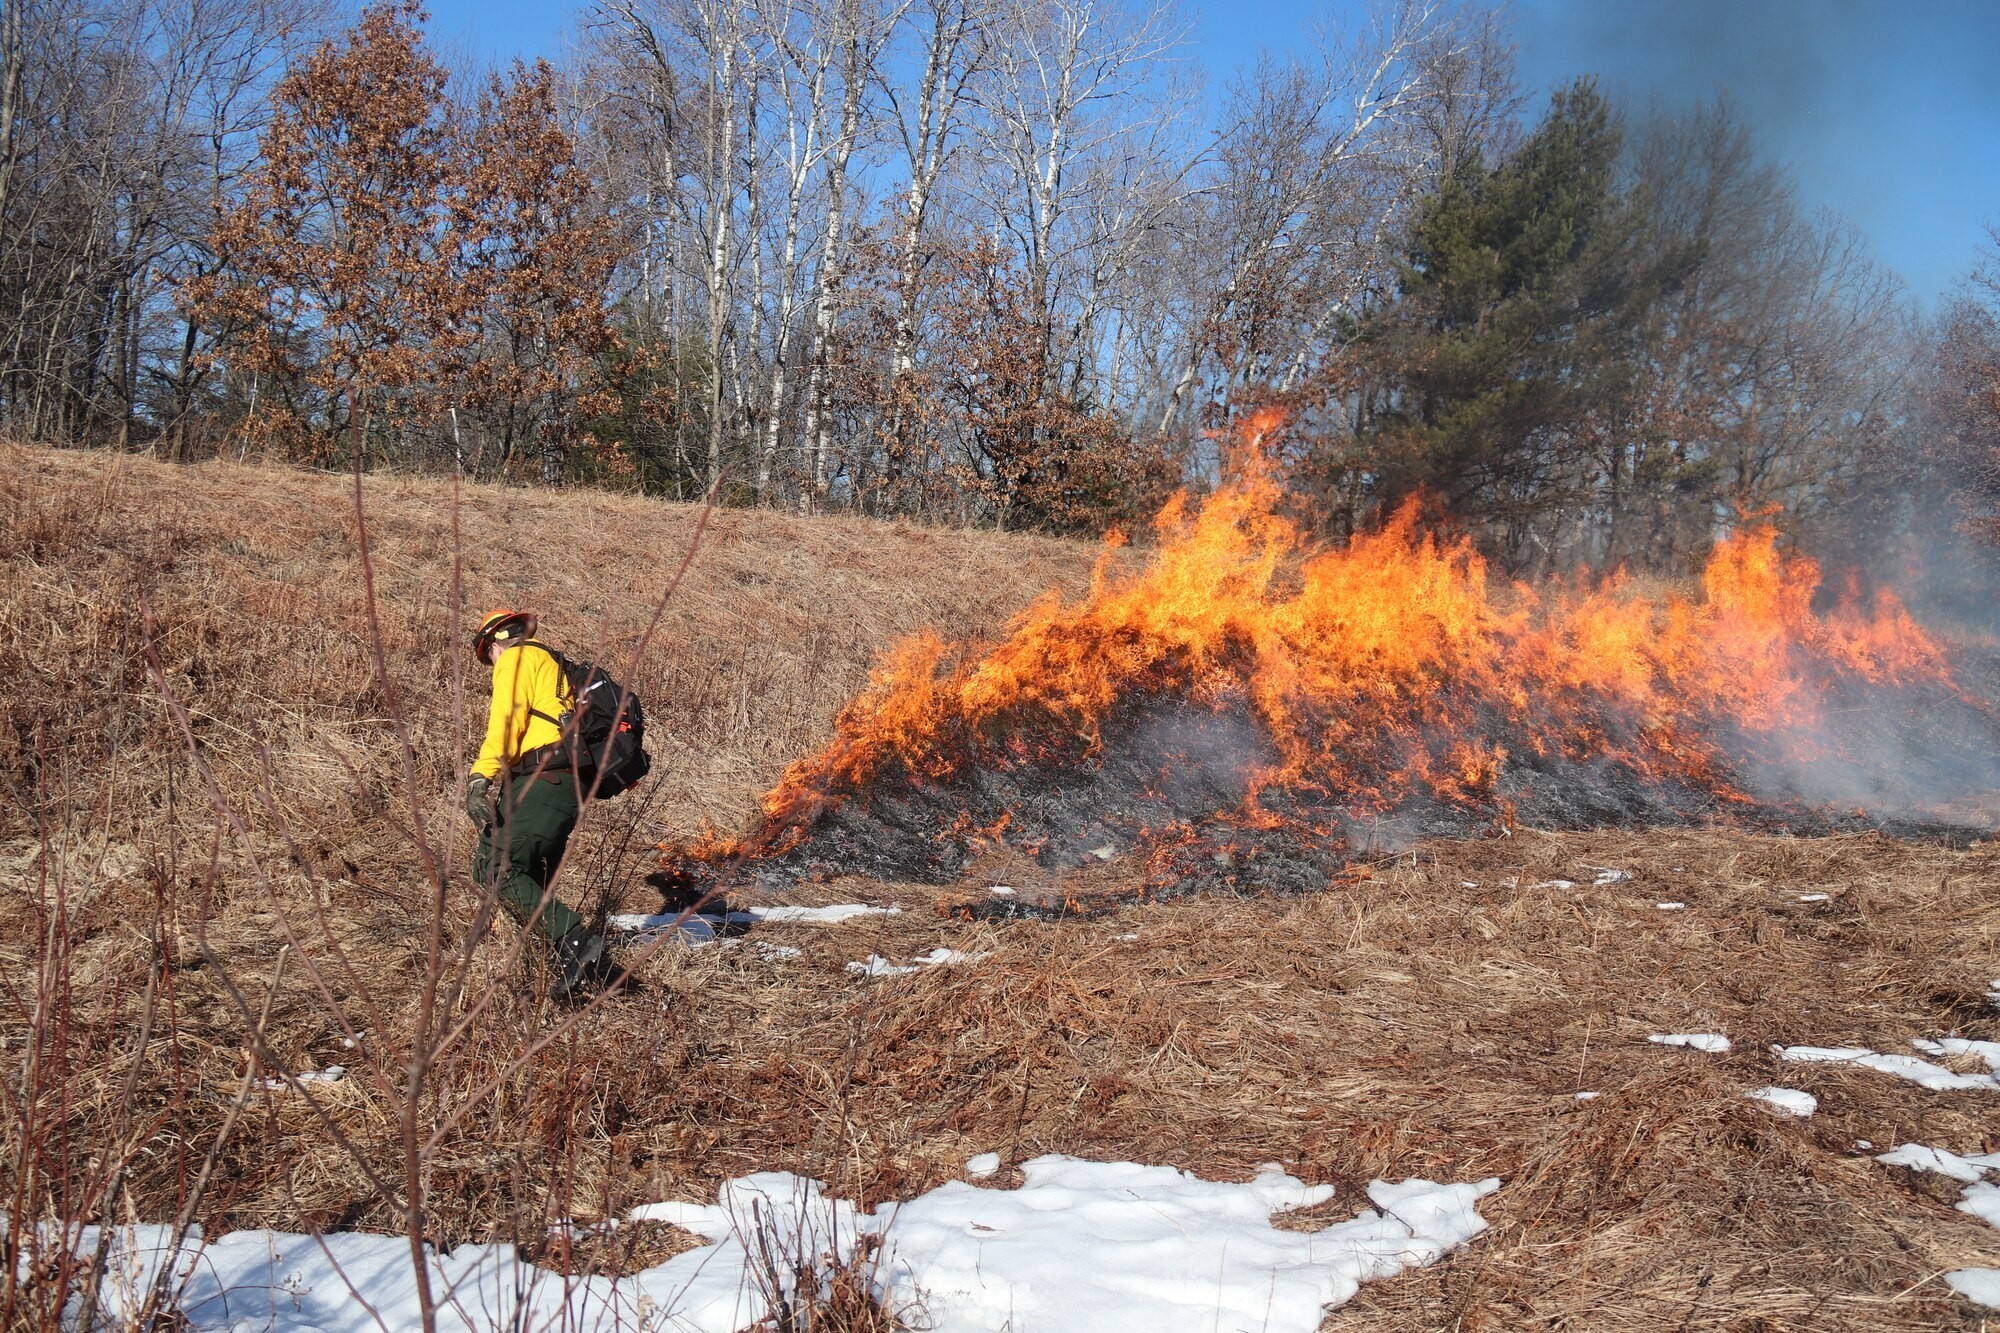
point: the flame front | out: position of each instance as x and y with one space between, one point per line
1378 671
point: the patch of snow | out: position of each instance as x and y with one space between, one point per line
1127 939
1983 1202
942 957
1671 907
1863 1143
1978 1198
978 1168
1921 1072
1981 1286
687 928
1989 1051
1554 884
1917 1157
1116 1246
878 966
1606 875
694 928
1585 1096
1993 996
330 1074
1468 884
1789 1100
1110 1246
824 916
1815 897
775 952
1712 1042
353 1043
1003 890
569 1229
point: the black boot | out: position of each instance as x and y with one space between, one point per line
580 964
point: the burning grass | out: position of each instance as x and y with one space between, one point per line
1432 1012
1244 708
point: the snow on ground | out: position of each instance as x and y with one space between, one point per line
1964 1170
1921 1072
1671 907
700 928
825 916
1712 1042
1110 1246
330 1074
1978 1285
1982 1200
1789 1100
878 966
691 929
1815 897
1989 1051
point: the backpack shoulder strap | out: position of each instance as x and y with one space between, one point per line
562 665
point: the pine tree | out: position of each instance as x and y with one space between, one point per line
1528 301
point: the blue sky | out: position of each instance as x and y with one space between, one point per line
1887 113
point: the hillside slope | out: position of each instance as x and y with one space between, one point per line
254 582
185 930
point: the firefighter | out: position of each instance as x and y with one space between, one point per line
522 796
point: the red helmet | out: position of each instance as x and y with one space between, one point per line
502 627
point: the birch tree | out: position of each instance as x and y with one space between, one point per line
953 39
857 30
1072 83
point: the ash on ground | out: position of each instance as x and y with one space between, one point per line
1167 805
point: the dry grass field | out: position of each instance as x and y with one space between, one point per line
232 852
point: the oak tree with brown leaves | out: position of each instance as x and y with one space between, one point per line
336 261
414 277
537 255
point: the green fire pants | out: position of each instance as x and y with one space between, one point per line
535 817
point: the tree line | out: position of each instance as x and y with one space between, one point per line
971 261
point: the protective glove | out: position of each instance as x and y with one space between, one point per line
479 800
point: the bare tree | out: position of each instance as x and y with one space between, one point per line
1780 359
953 36
123 125
813 50
858 30
1317 163
692 63
1074 86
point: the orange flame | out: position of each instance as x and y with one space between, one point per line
1378 669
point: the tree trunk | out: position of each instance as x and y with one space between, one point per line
832 254
722 146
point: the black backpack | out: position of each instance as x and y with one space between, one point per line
604 732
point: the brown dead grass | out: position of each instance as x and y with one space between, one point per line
1405 1024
